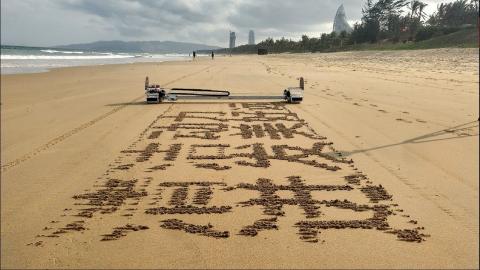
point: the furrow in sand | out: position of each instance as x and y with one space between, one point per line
68 134
450 207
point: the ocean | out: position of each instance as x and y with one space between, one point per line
18 59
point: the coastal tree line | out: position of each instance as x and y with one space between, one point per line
383 21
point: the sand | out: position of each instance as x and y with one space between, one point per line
377 168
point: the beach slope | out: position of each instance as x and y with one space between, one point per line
377 168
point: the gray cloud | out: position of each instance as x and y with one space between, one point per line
292 16
53 22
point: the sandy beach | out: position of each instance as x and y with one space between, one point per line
377 168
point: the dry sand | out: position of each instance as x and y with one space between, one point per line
94 178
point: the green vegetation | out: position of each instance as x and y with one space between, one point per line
390 25
465 38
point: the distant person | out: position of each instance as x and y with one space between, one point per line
194 55
213 55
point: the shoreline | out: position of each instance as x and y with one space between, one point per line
79 67
92 66
386 51
66 64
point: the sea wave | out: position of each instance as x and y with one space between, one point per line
63 57
65 52
31 65
31 61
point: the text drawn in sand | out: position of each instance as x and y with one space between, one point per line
261 160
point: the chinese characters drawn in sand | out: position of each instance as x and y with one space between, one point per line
207 172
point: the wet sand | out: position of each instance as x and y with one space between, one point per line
377 168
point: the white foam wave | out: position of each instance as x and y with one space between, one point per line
166 56
62 57
55 51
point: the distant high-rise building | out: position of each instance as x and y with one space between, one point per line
251 38
340 23
233 37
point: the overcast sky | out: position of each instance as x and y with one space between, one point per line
58 22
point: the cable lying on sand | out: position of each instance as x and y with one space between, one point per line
156 94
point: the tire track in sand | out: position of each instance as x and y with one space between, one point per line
90 123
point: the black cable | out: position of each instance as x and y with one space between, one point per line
220 93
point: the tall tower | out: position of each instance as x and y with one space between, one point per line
251 38
340 23
233 37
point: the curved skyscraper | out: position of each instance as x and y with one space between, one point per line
340 23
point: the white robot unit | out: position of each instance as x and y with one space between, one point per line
156 94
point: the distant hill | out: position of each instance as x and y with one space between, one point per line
139 46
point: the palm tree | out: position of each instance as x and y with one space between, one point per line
417 13
305 41
416 8
343 36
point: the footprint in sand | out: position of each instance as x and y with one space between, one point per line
403 120
383 111
421 121
373 105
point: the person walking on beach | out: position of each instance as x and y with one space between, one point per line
213 55
194 55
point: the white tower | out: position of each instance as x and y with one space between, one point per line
251 38
233 37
